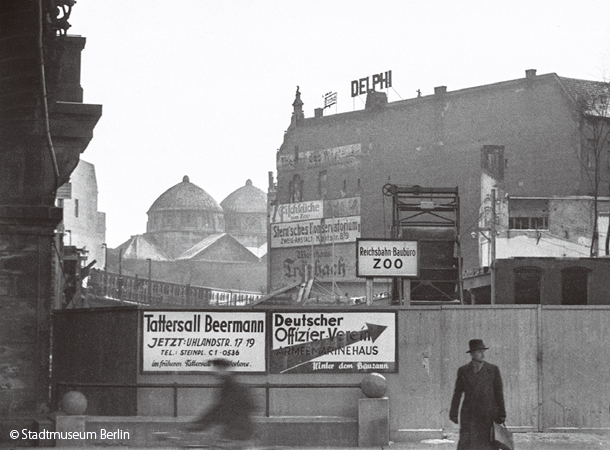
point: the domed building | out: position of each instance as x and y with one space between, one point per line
245 213
192 240
182 216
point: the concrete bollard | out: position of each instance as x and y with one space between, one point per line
373 422
73 404
67 426
373 412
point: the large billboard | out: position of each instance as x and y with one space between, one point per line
314 239
187 341
333 342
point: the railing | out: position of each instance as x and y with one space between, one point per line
176 386
128 289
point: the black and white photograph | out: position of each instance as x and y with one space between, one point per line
276 225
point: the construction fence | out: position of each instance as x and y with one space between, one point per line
553 359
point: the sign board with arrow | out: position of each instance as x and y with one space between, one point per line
333 342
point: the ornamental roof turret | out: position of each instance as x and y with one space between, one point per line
297 106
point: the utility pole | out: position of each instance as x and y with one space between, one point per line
120 280
149 279
105 247
492 241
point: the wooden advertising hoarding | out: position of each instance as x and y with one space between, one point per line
187 341
333 342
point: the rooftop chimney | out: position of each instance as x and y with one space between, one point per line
440 90
375 100
530 74
318 112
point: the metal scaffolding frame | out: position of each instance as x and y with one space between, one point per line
417 213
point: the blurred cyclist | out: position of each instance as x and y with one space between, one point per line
231 410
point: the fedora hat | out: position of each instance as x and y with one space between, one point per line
476 344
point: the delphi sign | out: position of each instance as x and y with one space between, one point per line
364 85
386 258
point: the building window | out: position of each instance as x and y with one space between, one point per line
527 285
492 160
574 286
75 207
528 214
322 184
528 223
295 189
588 155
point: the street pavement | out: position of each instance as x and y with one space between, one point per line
523 441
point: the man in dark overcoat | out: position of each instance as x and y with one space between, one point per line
481 384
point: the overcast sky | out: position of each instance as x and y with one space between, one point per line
205 88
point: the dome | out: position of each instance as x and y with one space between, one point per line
185 196
246 199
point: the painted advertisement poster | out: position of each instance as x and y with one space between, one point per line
187 341
293 212
333 342
315 209
324 263
315 232
344 155
341 207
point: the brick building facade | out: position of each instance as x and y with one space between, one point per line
433 141
45 126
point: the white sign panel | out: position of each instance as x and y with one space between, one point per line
293 212
315 232
330 99
187 341
333 342
315 209
386 258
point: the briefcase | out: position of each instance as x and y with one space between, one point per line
501 437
